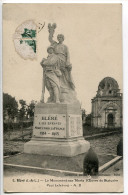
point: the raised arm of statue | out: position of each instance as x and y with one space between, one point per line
51 39
51 29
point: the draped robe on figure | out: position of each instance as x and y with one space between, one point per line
67 87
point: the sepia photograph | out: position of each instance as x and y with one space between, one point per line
62 97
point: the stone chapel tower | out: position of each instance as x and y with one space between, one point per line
107 105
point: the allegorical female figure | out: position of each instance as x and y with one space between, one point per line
67 87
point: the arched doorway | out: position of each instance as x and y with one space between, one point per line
110 120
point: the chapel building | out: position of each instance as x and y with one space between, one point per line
107 105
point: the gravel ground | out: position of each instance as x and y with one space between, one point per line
106 145
11 146
9 135
54 162
102 145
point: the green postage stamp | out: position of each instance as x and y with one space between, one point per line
25 40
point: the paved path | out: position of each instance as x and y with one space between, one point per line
98 135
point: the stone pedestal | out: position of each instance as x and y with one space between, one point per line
57 131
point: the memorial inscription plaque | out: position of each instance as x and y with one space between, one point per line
53 125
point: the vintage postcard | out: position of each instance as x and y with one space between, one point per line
62 97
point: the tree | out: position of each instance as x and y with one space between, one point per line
10 106
22 110
83 114
30 109
88 119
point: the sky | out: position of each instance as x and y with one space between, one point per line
93 35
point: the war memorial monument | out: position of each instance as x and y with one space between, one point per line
57 128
